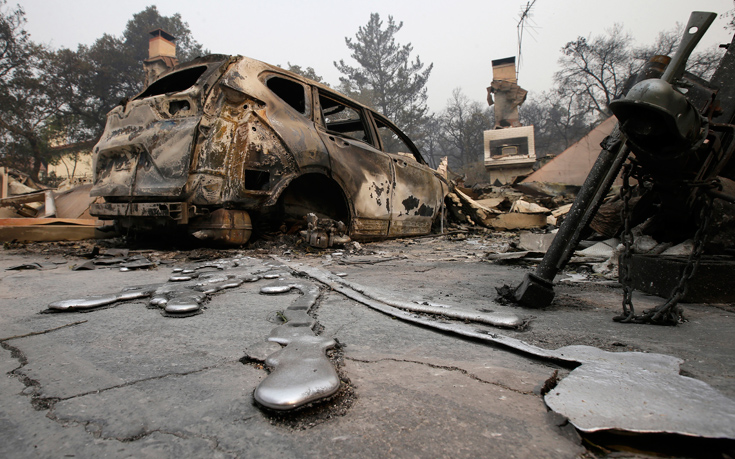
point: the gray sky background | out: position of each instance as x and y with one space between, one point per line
459 37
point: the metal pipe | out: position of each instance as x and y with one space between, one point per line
537 289
548 268
594 206
699 22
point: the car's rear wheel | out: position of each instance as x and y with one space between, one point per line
311 193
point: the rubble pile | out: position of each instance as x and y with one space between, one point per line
505 208
32 212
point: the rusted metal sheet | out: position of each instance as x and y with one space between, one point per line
416 197
227 226
234 133
367 180
145 149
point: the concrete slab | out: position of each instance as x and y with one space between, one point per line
125 381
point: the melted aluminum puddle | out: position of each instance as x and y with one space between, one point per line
301 372
628 391
638 392
183 295
495 319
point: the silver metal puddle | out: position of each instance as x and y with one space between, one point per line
183 295
301 372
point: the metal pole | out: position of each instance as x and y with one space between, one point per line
594 206
536 290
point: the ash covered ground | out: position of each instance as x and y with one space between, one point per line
125 380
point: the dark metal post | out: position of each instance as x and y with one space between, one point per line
537 289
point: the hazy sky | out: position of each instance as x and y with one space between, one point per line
460 37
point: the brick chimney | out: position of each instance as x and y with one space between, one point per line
508 95
510 149
161 55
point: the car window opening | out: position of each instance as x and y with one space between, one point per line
175 82
291 92
393 142
343 119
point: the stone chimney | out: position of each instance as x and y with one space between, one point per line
508 95
510 149
161 55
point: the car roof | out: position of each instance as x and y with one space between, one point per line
266 67
211 58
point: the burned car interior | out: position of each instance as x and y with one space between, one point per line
343 119
174 82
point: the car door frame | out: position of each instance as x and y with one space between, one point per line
363 171
415 202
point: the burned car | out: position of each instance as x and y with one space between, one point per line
218 140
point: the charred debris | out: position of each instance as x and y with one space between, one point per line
654 213
672 147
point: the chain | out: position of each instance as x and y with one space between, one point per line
624 263
668 313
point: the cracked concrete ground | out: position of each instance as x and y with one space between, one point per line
124 381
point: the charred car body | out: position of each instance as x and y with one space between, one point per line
220 138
